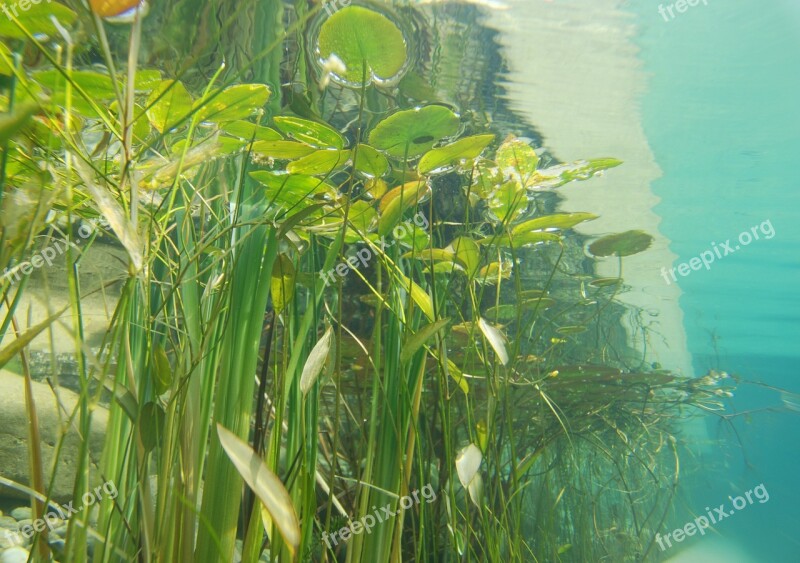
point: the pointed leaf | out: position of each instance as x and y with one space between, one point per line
318 163
450 155
415 341
468 462
370 161
316 361
496 340
265 484
554 221
310 132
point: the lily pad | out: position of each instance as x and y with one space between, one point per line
370 162
358 36
413 132
310 132
449 155
621 244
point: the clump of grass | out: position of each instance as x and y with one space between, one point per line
229 360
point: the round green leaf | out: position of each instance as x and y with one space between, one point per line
370 162
414 130
358 35
449 155
622 244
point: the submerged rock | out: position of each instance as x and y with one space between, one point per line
52 425
14 555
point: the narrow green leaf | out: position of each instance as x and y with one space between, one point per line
234 103
415 341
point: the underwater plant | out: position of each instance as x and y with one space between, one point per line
255 408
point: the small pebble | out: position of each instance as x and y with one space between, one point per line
14 555
22 513
26 522
8 522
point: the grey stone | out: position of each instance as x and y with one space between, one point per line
22 513
57 545
25 522
14 555
8 522
52 425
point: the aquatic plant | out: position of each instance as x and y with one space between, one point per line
230 361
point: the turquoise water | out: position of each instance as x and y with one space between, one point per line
722 118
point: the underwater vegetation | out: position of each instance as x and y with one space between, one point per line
258 404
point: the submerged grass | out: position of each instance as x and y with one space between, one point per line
441 362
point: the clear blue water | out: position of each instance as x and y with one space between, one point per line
722 115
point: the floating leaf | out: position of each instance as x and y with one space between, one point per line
282 283
496 340
281 149
318 135
413 132
357 35
265 484
322 162
554 221
233 103
316 361
449 155
168 103
621 244
250 131
415 341
370 161
561 174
